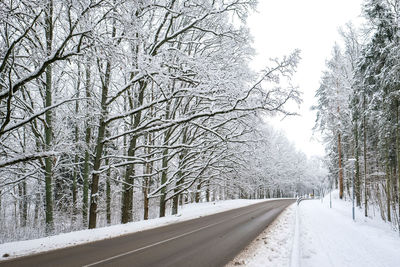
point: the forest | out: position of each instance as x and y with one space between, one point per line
113 111
358 111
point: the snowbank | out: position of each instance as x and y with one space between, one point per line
273 246
314 235
190 211
329 237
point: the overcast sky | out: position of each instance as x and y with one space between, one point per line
279 27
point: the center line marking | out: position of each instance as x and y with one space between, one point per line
167 240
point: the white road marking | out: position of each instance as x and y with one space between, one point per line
167 240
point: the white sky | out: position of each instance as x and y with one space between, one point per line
279 27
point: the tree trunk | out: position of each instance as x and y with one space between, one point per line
149 165
179 180
76 158
147 179
365 158
108 186
340 167
388 174
357 166
100 138
164 175
23 205
164 167
175 199
198 192
208 191
48 129
85 194
108 195
22 192
37 205
127 193
99 149
146 199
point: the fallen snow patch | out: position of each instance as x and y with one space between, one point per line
314 235
188 212
329 237
273 246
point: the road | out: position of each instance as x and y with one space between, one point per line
207 241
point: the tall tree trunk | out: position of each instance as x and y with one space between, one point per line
76 158
365 158
85 194
175 200
340 166
105 80
147 178
198 192
388 174
164 175
23 205
149 165
146 185
99 148
108 183
108 194
37 204
179 180
357 165
22 191
48 129
208 191
164 164
127 193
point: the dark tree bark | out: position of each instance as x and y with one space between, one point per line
86 169
48 129
99 147
340 167
127 193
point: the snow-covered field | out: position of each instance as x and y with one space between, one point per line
323 236
189 211
329 237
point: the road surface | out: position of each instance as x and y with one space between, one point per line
207 241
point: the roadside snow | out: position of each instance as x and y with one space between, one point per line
329 237
273 246
314 235
189 211
317 236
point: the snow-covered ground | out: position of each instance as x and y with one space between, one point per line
329 237
312 234
308 235
189 211
272 248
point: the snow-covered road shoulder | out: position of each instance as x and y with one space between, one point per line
273 246
314 235
188 212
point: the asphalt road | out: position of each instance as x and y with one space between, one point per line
207 241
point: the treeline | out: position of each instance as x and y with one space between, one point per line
358 110
119 110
